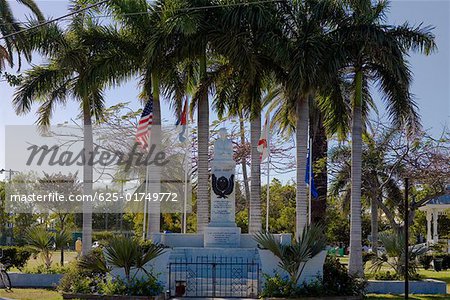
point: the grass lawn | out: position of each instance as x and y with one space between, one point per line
415 297
31 294
33 263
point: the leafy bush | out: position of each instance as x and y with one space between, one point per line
335 281
276 286
14 256
42 269
394 276
103 236
387 276
368 256
395 255
445 259
92 273
425 261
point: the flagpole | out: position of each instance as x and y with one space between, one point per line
268 180
186 174
310 181
144 223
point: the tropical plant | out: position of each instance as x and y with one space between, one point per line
68 73
303 46
62 239
41 240
395 255
376 52
126 253
13 41
293 257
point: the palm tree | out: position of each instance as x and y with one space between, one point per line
62 239
8 26
155 56
304 48
293 257
377 51
68 73
379 177
241 41
41 240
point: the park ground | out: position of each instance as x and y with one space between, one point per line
33 294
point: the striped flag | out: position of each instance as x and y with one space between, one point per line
183 122
145 125
263 143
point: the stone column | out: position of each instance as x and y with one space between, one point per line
429 217
435 226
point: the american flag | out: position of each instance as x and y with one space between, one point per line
145 125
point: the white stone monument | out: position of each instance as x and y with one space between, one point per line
222 231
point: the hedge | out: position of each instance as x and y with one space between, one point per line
15 256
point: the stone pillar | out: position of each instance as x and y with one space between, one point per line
222 231
435 226
429 217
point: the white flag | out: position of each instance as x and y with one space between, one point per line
263 143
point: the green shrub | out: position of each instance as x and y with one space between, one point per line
425 261
335 282
445 259
112 286
368 256
103 236
276 286
15 256
42 269
387 276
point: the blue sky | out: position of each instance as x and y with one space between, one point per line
431 84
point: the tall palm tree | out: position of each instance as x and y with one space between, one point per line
240 40
379 177
8 26
150 48
376 51
303 46
67 74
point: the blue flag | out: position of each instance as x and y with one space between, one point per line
313 189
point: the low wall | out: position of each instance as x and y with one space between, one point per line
196 240
427 286
34 280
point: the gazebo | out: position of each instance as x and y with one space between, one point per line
434 208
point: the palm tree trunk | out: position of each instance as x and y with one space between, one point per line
154 171
355 262
319 152
301 136
244 161
374 224
203 156
88 145
255 222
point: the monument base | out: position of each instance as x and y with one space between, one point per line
222 237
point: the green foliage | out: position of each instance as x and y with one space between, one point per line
445 259
395 255
293 257
425 261
15 256
42 269
94 262
41 240
335 282
102 235
338 282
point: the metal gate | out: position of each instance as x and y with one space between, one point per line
210 277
